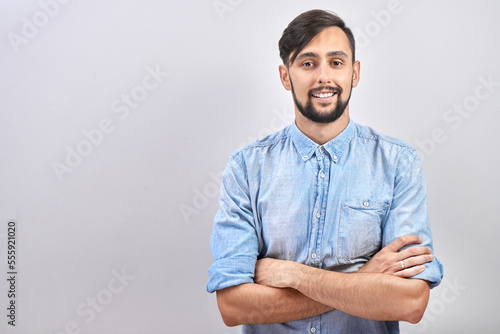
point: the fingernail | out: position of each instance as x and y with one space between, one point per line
420 239
432 257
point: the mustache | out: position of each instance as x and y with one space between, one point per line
337 90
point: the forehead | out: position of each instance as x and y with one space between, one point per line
328 40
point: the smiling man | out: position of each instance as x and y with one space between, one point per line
323 226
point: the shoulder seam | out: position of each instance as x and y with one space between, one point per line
412 155
386 139
258 143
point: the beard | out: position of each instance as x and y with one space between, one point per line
311 113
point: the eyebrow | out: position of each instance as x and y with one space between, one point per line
307 55
341 54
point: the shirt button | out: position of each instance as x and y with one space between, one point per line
334 157
318 214
322 175
366 204
313 330
322 149
313 255
305 157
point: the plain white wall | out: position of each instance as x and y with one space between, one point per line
166 90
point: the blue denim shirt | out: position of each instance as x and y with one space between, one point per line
330 206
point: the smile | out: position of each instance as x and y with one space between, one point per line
324 95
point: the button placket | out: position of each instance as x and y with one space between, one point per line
324 161
318 206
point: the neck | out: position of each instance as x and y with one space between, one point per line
321 133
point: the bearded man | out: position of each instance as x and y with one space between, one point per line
323 226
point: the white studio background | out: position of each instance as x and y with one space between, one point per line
117 118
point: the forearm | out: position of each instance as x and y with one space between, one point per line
367 295
258 304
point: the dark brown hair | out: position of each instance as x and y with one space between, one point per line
304 28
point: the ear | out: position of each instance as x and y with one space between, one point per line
355 73
285 77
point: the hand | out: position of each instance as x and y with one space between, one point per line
275 273
405 263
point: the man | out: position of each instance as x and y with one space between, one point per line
318 223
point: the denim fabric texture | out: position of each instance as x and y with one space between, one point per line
330 206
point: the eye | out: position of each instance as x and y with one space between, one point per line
336 63
307 64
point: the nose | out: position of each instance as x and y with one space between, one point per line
324 75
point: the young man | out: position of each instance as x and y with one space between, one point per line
315 223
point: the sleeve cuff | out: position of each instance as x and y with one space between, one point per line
433 273
231 271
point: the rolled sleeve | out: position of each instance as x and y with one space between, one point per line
234 242
408 212
230 271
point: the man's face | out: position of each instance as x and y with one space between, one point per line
322 76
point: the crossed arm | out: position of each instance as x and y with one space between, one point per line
287 291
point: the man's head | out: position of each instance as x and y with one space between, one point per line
319 67
305 27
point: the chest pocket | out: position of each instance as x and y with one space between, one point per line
360 229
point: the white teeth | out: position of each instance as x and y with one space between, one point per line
323 95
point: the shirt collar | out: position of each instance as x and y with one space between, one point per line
335 147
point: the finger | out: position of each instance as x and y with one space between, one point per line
418 260
408 272
400 242
413 251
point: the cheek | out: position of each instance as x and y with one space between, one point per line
303 94
346 79
302 83
302 88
